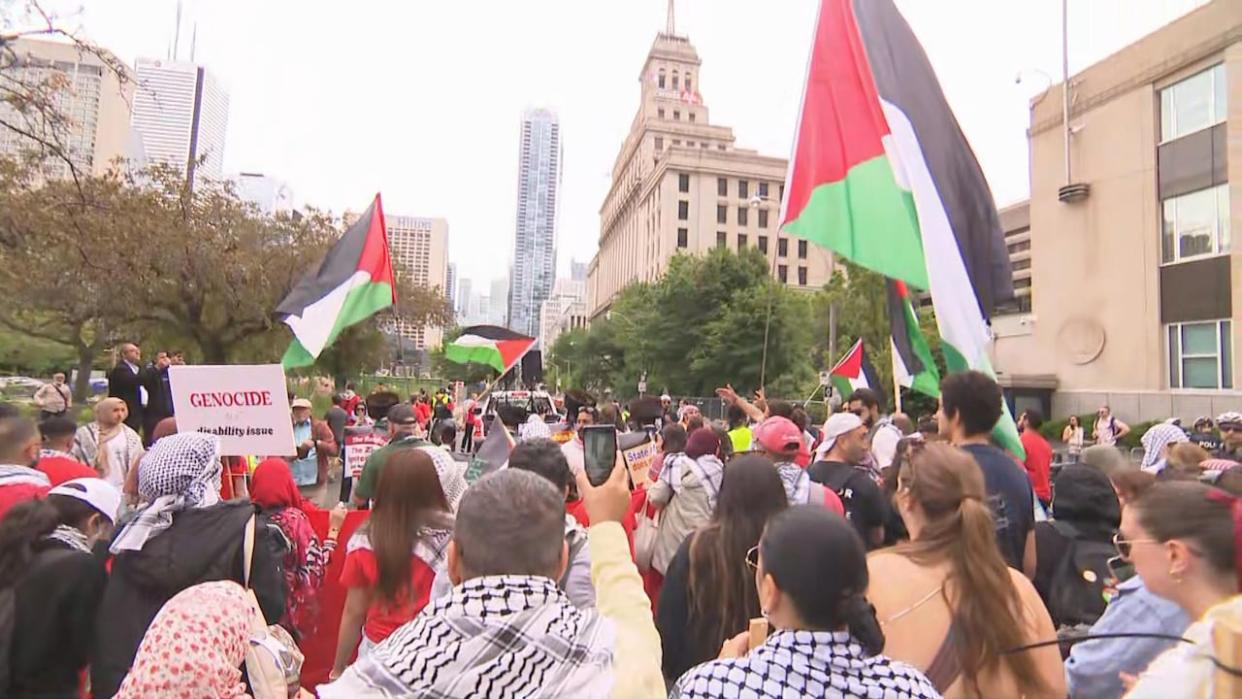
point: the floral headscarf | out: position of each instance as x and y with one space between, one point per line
195 647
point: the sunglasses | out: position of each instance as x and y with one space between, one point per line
752 558
1125 546
1230 427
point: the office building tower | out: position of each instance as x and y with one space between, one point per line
534 245
181 113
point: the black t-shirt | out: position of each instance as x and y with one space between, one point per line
864 502
1010 498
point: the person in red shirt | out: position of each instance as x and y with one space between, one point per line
1038 463
393 560
56 458
19 447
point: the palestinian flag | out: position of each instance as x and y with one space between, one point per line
913 365
854 371
882 175
352 283
499 348
493 453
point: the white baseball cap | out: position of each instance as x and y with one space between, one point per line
837 425
96 492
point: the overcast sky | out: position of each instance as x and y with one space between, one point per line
421 99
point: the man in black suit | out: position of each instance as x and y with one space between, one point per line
125 382
159 394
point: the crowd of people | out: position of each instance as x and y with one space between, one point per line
758 556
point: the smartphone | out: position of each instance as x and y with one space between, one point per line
599 444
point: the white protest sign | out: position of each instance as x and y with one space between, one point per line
246 406
359 445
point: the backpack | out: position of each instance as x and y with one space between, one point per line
1076 589
837 482
8 615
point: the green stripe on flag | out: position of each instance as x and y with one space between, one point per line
479 354
361 302
850 217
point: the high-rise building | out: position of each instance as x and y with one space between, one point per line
181 113
564 310
498 302
534 243
681 186
578 271
94 100
271 195
419 248
462 304
450 285
1133 302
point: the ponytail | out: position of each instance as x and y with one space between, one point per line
859 616
22 526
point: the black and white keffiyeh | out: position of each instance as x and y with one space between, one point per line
181 472
805 664
71 537
430 546
707 468
797 482
22 475
496 636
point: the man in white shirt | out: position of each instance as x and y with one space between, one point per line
53 398
1108 429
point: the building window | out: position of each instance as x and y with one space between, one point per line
683 182
741 241
763 218
1021 264
659 143
675 81
722 239
1020 246
782 192
722 187
742 214
743 189
782 273
802 276
721 146
683 211
763 244
677 141
660 80
683 237
1024 283
660 113
690 116
722 213
763 190
676 115
689 83
1196 224
690 144
1193 104
1201 355
782 247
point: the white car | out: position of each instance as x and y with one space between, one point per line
21 382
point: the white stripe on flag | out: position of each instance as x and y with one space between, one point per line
474 341
315 325
900 373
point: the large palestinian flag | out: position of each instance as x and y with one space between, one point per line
882 174
499 348
855 371
352 283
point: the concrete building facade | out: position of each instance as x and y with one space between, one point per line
94 100
181 112
561 312
534 241
1132 300
419 248
681 186
271 195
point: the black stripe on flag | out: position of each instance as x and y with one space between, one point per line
337 267
494 332
900 331
904 78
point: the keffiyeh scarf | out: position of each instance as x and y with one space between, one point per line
535 428
495 636
708 469
71 537
797 482
182 471
806 664
22 475
430 546
195 646
1155 440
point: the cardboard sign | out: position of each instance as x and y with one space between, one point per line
246 406
639 459
359 445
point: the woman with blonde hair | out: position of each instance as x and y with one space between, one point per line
107 443
960 612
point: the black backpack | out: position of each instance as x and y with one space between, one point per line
1076 590
8 614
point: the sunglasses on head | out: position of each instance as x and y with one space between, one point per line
752 557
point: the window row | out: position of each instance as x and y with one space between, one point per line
1196 103
743 215
782 244
1196 225
1201 355
662 81
690 116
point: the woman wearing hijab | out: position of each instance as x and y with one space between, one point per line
183 536
108 444
272 489
206 628
1156 442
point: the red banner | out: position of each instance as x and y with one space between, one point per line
320 648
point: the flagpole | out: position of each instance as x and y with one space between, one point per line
896 381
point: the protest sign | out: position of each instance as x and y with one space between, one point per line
639 452
360 443
246 406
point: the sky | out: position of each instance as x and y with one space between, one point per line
422 99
